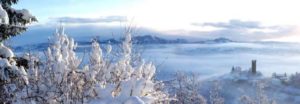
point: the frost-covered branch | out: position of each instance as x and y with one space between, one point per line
61 79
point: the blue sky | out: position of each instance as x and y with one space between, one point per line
245 20
45 9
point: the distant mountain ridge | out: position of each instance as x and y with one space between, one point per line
150 39
145 39
217 40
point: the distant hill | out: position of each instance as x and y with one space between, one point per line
149 39
217 40
146 39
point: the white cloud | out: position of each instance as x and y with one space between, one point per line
255 19
107 19
178 14
237 30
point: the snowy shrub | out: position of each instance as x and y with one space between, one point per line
123 82
294 80
260 96
12 77
186 89
246 100
61 78
215 97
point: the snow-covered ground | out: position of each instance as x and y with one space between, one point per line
235 85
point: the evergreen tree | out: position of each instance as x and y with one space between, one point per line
17 20
12 74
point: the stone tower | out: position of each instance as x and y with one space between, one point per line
253 67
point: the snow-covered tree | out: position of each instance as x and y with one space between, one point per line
246 100
61 79
12 79
13 76
186 88
3 16
294 80
125 82
260 96
12 21
215 96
